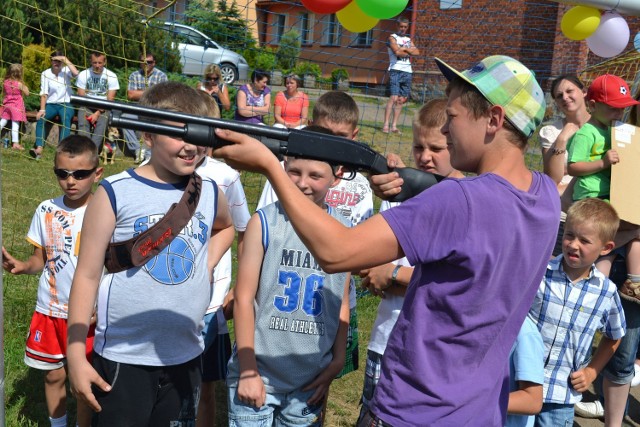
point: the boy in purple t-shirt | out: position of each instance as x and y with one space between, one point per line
479 246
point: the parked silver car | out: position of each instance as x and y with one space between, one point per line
197 51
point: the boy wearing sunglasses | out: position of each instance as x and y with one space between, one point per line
55 236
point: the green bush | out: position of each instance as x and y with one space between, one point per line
223 22
265 60
339 74
35 59
308 69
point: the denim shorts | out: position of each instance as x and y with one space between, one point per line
555 415
620 368
371 379
280 409
400 83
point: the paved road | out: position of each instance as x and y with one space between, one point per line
631 420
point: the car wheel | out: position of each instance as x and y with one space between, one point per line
229 73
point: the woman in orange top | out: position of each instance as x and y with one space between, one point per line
291 105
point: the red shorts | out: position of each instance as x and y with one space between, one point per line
47 342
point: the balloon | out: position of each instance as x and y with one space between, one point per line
580 22
382 9
354 19
636 42
325 6
611 37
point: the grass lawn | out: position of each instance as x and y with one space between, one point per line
25 183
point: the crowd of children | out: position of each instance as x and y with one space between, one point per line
468 330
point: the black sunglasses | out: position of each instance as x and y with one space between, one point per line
149 62
79 174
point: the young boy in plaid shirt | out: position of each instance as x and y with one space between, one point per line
574 301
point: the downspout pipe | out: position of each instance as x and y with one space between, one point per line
623 7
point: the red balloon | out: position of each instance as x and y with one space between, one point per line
325 6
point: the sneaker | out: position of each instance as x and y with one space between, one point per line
636 376
630 291
36 153
589 409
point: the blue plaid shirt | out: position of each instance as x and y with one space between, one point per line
138 81
568 316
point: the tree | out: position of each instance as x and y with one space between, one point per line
15 32
288 50
115 27
222 22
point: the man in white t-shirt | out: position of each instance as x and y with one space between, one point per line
401 49
96 82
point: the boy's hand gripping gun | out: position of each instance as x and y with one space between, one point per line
353 156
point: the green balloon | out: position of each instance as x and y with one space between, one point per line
382 9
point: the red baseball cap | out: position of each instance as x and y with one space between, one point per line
612 91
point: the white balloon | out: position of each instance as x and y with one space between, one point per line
611 37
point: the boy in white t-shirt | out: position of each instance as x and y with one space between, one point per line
390 281
217 343
55 236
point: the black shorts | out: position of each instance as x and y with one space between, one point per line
147 395
215 359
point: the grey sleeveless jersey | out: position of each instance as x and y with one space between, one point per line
153 315
297 308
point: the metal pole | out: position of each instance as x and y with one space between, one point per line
623 7
2 419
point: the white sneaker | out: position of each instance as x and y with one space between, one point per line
636 376
589 409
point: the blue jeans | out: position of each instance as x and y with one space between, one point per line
620 369
280 409
99 128
66 113
555 415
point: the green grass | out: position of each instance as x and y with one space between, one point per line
25 183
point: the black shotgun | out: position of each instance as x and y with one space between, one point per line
354 156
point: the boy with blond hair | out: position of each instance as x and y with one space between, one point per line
55 236
146 360
446 360
217 343
290 316
573 302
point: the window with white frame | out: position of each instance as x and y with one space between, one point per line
363 39
304 28
450 4
331 30
278 25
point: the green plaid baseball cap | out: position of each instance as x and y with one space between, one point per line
504 81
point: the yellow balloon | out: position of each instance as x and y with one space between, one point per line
580 22
355 20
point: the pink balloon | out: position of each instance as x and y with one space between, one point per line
611 37
325 6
